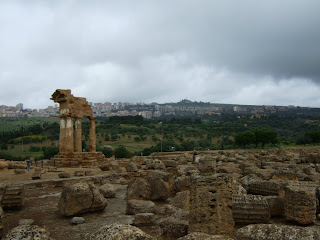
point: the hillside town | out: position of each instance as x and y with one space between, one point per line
184 108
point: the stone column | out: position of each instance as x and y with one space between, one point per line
69 144
92 135
62 139
78 136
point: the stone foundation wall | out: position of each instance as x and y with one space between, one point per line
78 159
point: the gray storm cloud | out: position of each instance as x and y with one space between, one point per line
244 52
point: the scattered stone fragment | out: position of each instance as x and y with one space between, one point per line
88 173
104 167
78 173
19 171
117 231
64 175
77 220
36 175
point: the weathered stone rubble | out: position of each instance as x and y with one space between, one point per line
120 232
80 198
275 231
30 232
210 197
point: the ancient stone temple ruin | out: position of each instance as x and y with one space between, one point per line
71 111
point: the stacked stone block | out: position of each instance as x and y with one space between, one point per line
249 209
76 159
211 205
266 188
300 204
13 197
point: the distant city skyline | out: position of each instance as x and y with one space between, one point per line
234 52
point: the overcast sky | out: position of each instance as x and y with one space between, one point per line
244 52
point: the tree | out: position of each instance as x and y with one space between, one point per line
4 146
50 152
107 138
264 136
108 152
244 138
122 152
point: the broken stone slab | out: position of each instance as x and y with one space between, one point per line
80 198
144 219
36 176
172 228
140 206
